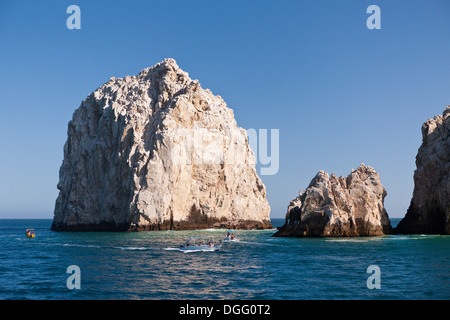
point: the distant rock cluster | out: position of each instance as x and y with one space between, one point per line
156 151
354 206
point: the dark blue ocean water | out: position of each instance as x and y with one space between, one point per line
147 265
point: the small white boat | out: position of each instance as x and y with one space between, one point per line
199 244
231 236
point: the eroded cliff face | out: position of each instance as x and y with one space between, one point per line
339 207
156 151
429 211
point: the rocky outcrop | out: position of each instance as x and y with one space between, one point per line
156 151
339 207
429 211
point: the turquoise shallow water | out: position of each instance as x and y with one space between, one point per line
147 265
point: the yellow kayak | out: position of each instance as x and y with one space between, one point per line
30 233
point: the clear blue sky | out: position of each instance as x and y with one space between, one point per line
339 93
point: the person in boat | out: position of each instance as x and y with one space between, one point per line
228 235
210 244
232 237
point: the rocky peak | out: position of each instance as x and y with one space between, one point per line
157 151
339 206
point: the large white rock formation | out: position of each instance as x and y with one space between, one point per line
156 151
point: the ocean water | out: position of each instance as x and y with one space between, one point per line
148 265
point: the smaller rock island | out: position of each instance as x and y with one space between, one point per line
339 207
